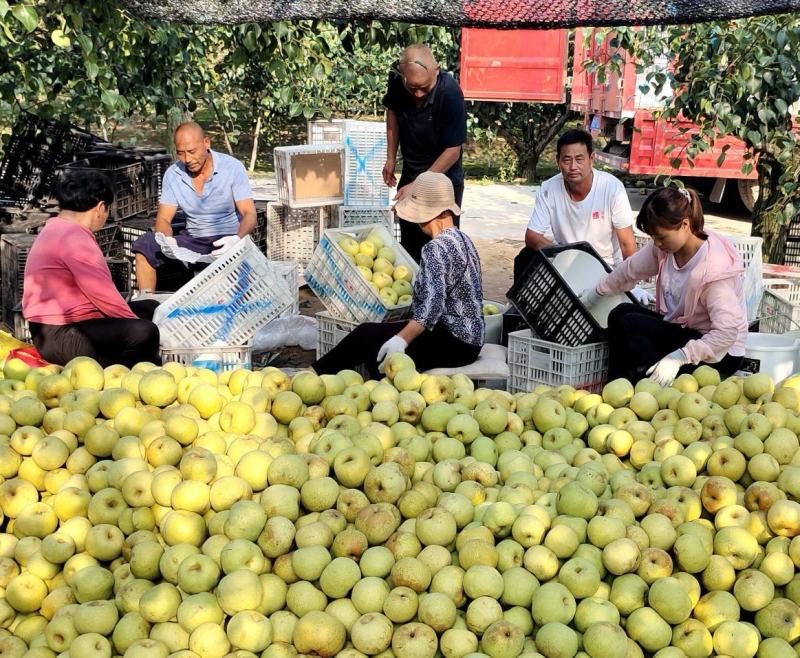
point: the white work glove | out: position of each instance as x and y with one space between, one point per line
589 297
223 244
392 346
642 296
168 239
663 372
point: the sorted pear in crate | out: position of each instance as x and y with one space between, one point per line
362 274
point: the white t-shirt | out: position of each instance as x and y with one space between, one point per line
592 220
673 283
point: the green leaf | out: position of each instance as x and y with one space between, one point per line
4 8
60 39
86 43
27 16
250 41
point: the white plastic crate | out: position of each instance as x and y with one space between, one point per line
642 239
362 215
287 269
342 289
227 303
533 361
310 175
218 359
331 331
326 131
365 156
293 233
779 311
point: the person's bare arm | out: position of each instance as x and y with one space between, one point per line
534 240
392 144
446 160
247 211
164 217
411 331
627 241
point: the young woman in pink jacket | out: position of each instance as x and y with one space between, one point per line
700 316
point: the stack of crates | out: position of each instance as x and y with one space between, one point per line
366 196
126 171
35 150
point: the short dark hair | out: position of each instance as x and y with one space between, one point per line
574 136
81 190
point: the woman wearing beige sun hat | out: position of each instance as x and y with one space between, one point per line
446 329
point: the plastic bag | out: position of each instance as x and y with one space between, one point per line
292 330
9 343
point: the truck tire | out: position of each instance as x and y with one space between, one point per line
748 192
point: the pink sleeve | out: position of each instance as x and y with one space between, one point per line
94 279
642 265
723 304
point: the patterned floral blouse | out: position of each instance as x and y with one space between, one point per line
448 287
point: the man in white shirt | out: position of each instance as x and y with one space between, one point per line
580 204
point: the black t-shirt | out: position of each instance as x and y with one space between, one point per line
427 130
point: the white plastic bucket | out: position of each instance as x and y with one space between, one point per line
778 355
494 323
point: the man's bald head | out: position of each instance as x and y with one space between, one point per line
418 54
190 128
420 70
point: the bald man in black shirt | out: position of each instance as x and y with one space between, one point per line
427 119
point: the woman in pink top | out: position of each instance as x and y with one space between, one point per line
700 316
68 297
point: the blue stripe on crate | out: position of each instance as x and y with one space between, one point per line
236 305
361 164
321 289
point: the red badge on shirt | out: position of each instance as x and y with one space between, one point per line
597 214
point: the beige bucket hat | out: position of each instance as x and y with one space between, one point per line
430 195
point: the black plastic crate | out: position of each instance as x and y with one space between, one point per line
549 306
127 174
155 165
120 269
109 240
33 153
259 234
14 250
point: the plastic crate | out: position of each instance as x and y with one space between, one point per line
791 253
20 328
342 289
120 269
226 303
362 215
330 331
310 175
533 361
127 177
326 131
642 240
14 250
35 150
365 156
109 240
779 311
287 270
155 166
131 229
292 234
549 306
218 359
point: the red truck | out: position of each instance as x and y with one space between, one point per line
531 66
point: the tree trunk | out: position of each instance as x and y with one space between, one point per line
526 165
254 152
766 221
221 124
